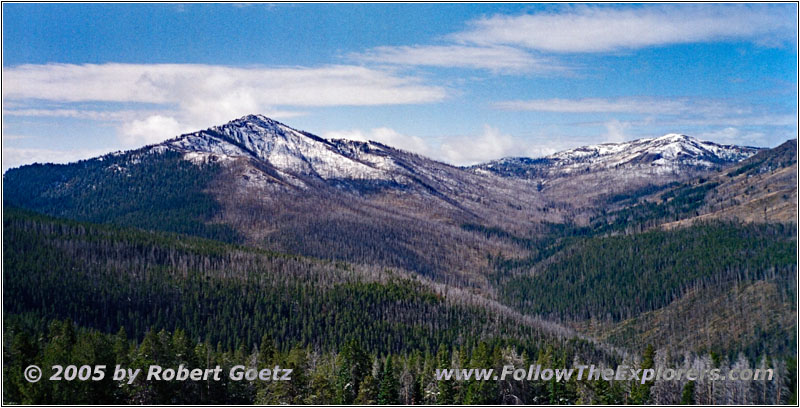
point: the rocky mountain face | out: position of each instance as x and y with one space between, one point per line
290 190
291 152
270 156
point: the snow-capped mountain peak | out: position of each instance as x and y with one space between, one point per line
671 153
301 154
667 151
286 149
675 137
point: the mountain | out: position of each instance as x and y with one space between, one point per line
761 188
253 227
592 175
291 153
668 154
260 182
179 301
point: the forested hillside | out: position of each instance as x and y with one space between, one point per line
109 277
225 304
361 264
161 192
352 375
610 279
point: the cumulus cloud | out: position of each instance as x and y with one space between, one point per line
196 96
489 145
582 29
386 136
459 150
615 131
153 129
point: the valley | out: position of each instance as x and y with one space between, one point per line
253 232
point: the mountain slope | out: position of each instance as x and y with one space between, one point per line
287 150
590 176
260 182
670 153
403 252
762 188
257 181
141 188
109 277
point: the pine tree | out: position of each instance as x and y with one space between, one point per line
353 366
368 392
640 393
687 396
389 394
446 388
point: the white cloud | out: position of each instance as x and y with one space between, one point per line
732 135
198 96
386 136
9 137
489 145
153 129
616 131
494 58
599 105
603 28
15 157
457 150
75 113
742 120
176 83
663 112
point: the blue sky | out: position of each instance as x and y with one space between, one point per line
462 83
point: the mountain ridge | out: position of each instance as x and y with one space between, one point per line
295 151
662 153
269 185
571 249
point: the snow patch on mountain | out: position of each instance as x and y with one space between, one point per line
670 153
284 148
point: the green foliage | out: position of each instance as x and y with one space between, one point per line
620 276
481 392
314 377
640 393
388 394
687 395
106 278
354 365
156 191
678 203
350 334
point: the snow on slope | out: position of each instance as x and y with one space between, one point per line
295 153
284 148
666 154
